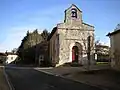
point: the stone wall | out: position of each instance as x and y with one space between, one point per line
115 51
73 31
53 48
68 15
68 37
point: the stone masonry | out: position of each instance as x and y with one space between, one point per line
74 32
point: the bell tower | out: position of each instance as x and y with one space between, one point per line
73 14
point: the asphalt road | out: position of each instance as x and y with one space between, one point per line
3 81
30 79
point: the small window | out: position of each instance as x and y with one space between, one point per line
74 12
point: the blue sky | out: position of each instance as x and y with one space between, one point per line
18 16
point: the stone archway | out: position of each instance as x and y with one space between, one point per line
75 52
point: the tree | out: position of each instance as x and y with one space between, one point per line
118 27
27 49
21 48
88 44
45 34
14 50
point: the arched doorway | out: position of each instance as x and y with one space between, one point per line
75 54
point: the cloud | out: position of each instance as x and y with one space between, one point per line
14 37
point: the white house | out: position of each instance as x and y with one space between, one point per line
10 57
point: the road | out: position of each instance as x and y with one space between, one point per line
3 82
31 79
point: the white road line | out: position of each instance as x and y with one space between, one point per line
8 81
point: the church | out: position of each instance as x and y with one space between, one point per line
68 41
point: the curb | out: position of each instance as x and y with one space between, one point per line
31 67
2 66
8 81
57 75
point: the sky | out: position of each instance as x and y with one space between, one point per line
19 16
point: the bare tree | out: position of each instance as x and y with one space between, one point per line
88 43
89 40
14 50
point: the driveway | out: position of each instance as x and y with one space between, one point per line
31 79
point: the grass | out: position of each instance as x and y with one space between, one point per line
99 63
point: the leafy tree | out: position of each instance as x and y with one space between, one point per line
45 34
27 48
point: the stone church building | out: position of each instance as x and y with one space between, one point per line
68 41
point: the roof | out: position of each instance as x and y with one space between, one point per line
52 33
88 24
113 33
102 46
3 54
10 53
74 6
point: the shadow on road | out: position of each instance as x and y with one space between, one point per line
30 79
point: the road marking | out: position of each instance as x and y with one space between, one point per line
8 81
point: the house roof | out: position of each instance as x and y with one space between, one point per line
3 54
102 46
10 53
113 33
52 33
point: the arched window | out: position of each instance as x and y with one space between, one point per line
74 12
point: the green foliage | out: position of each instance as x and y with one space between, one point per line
27 49
45 34
102 63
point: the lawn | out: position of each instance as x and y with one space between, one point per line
3 82
99 63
